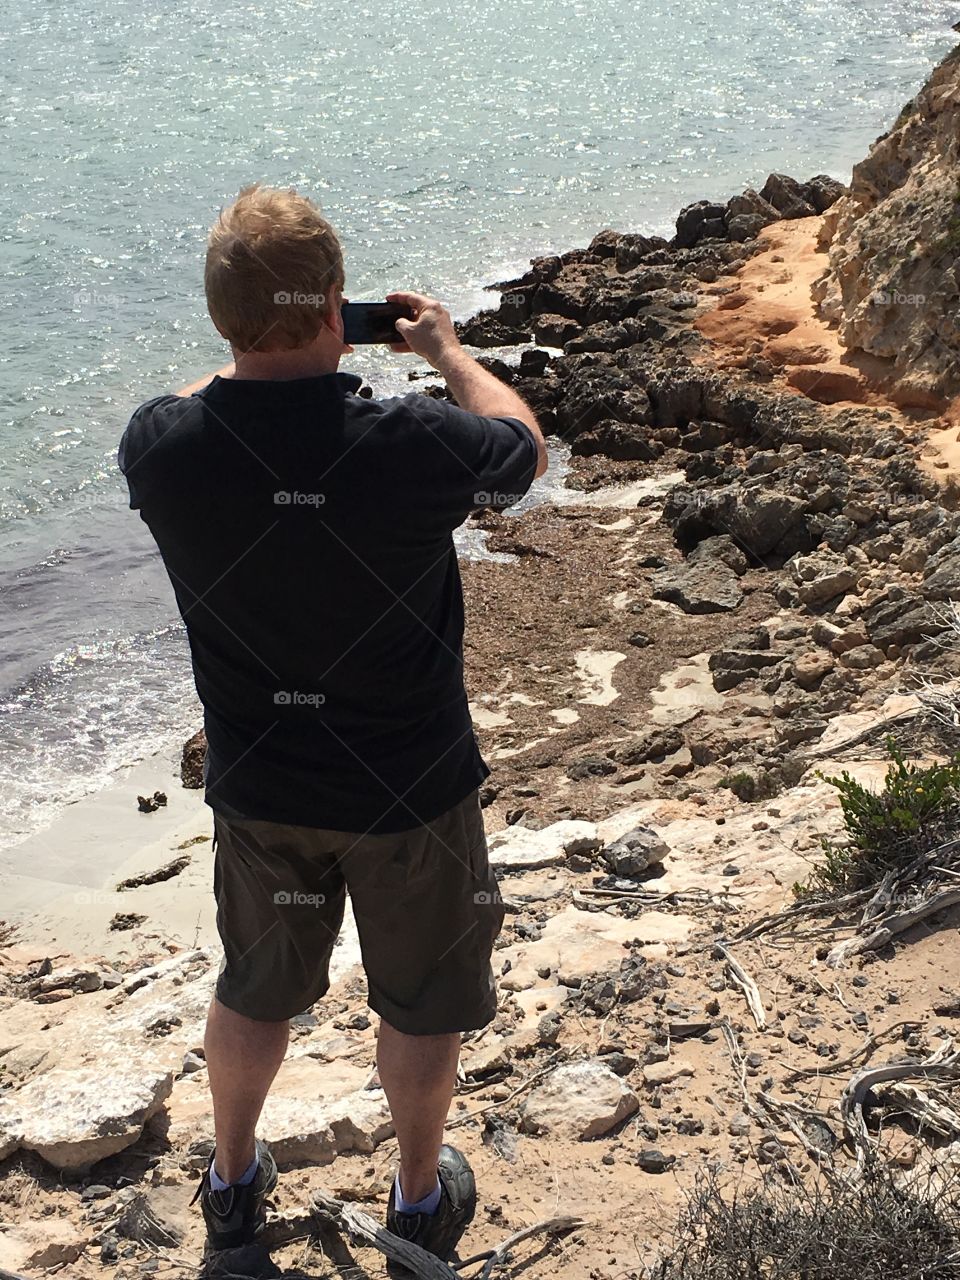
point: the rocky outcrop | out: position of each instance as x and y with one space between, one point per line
75 1118
893 281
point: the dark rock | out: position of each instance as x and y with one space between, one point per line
690 222
655 744
597 393
487 329
699 588
150 804
191 760
731 667
633 249
722 548
590 767
622 441
942 574
745 226
822 191
533 363
909 620
752 205
554 330
604 244
652 1161
787 196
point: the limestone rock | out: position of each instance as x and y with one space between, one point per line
635 852
72 1119
579 1100
892 283
310 1130
822 576
518 848
668 1072
810 668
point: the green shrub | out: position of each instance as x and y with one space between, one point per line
916 808
749 787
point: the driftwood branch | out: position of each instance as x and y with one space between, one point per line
944 1064
799 912
892 925
492 1258
747 985
793 1116
929 1109
868 1046
521 1088
363 1229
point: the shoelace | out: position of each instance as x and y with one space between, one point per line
407 1225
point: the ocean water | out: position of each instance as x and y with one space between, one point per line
447 142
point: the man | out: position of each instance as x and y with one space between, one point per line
307 533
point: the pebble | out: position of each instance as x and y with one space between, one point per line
651 1160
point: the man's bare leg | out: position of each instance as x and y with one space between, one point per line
418 1074
243 1056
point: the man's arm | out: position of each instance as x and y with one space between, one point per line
227 371
431 334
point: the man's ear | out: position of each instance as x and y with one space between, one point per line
334 318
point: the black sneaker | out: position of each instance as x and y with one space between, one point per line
439 1233
233 1217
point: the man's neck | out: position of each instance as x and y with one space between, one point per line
282 366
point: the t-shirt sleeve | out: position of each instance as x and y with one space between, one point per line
143 431
475 461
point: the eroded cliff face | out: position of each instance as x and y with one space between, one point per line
893 282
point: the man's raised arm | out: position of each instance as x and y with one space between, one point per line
431 334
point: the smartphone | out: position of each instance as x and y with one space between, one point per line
369 322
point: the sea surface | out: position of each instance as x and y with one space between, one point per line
447 142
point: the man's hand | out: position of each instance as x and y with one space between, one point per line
430 333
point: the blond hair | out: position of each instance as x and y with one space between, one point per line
272 263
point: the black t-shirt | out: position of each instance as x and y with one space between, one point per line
307 533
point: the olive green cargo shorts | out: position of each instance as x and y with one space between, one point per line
426 904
